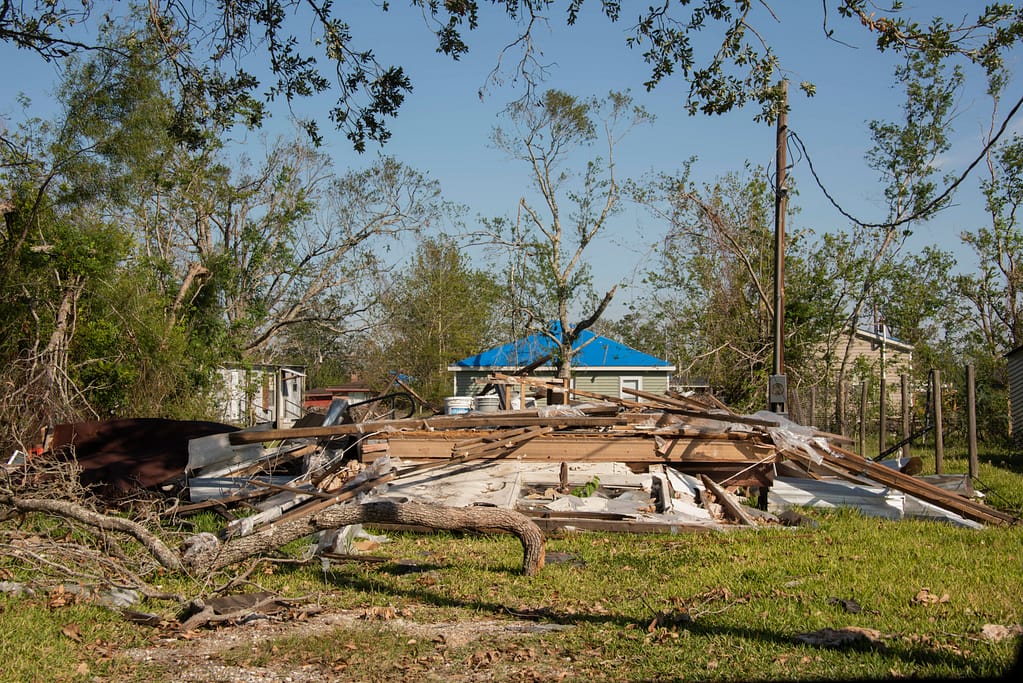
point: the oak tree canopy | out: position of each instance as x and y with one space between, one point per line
217 48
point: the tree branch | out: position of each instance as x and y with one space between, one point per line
63 508
205 552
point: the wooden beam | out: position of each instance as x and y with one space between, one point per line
727 502
593 448
946 500
527 418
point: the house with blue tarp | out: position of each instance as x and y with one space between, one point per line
599 365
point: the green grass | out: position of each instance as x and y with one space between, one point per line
712 607
42 640
725 606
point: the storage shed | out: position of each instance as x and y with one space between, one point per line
599 365
254 394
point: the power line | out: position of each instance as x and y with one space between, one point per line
933 204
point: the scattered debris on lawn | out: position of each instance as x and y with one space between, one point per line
656 464
650 463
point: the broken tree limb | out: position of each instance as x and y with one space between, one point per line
63 508
204 552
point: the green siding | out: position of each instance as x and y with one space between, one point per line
606 383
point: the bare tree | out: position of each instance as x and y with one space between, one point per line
549 136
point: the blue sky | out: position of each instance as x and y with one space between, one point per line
444 127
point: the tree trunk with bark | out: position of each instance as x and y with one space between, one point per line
204 552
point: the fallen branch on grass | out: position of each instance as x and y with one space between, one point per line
73 511
204 552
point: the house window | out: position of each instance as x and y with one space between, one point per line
634 383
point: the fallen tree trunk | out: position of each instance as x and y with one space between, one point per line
205 552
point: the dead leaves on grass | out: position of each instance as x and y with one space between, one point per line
925 597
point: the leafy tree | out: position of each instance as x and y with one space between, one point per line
991 299
255 249
549 243
134 265
67 330
995 293
713 289
713 46
439 309
905 155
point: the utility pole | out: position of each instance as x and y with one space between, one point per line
778 385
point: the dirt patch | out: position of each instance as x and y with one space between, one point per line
197 657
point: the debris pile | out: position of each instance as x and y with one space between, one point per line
655 463
650 463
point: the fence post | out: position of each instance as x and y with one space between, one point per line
813 406
846 395
882 437
904 379
939 439
863 419
971 418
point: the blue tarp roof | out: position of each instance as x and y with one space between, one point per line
593 351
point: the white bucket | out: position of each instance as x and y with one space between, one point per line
488 403
457 405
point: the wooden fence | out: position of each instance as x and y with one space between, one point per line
916 416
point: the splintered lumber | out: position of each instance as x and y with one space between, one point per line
855 464
681 403
548 384
690 408
525 418
324 500
728 503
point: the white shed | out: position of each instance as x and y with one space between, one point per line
254 394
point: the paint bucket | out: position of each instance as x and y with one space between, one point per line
488 403
457 405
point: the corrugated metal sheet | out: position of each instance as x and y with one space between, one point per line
874 501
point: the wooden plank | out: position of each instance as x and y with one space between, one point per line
727 502
574 448
525 418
